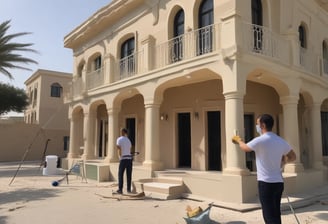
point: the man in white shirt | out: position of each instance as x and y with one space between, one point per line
123 144
271 151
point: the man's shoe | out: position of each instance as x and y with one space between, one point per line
119 192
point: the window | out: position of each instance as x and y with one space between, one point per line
127 63
205 19
55 90
257 21
80 70
178 31
97 63
302 36
66 143
325 56
324 133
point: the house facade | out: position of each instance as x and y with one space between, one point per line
184 76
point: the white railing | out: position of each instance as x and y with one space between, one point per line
186 46
308 60
95 79
263 41
129 66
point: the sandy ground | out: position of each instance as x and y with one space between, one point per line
31 198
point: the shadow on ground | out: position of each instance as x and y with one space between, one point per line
20 195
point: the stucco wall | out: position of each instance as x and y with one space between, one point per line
18 139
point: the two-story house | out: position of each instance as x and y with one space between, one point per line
184 76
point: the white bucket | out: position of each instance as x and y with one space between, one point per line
51 165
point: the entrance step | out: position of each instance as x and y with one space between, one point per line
161 188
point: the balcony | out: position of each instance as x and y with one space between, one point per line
262 41
256 40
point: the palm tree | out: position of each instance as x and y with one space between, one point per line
9 51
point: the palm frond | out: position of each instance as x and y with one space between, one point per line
9 58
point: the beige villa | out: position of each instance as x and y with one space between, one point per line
184 76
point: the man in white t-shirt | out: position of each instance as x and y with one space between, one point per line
271 151
123 144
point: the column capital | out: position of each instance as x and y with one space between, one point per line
234 95
292 99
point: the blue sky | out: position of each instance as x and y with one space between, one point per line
48 21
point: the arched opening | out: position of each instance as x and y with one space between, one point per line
205 21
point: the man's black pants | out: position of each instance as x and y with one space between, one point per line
270 198
125 164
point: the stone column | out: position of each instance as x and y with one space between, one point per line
316 149
73 146
113 133
291 130
234 124
89 136
152 152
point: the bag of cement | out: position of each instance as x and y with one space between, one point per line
198 216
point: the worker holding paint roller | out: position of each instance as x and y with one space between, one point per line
271 152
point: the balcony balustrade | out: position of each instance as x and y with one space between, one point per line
256 40
262 41
186 46
95 79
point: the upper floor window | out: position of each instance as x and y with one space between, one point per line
179 23
257 21
205 19
257 12
97 63
55 90
127 63
178 31
206 13
302 36
325 56
127 48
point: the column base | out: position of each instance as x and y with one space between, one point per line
236 171
71 155
293 168
153 165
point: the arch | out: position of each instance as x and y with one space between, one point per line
80 68
170 22
124 94
267 78
302 35
190 77
123 39
94 62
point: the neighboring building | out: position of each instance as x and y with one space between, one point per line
184 76
46 127
45 91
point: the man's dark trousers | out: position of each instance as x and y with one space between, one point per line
125 164
270 198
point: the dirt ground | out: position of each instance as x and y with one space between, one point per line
31 198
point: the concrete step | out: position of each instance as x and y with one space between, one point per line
162 188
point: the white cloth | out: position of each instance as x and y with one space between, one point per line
125 144
269 149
